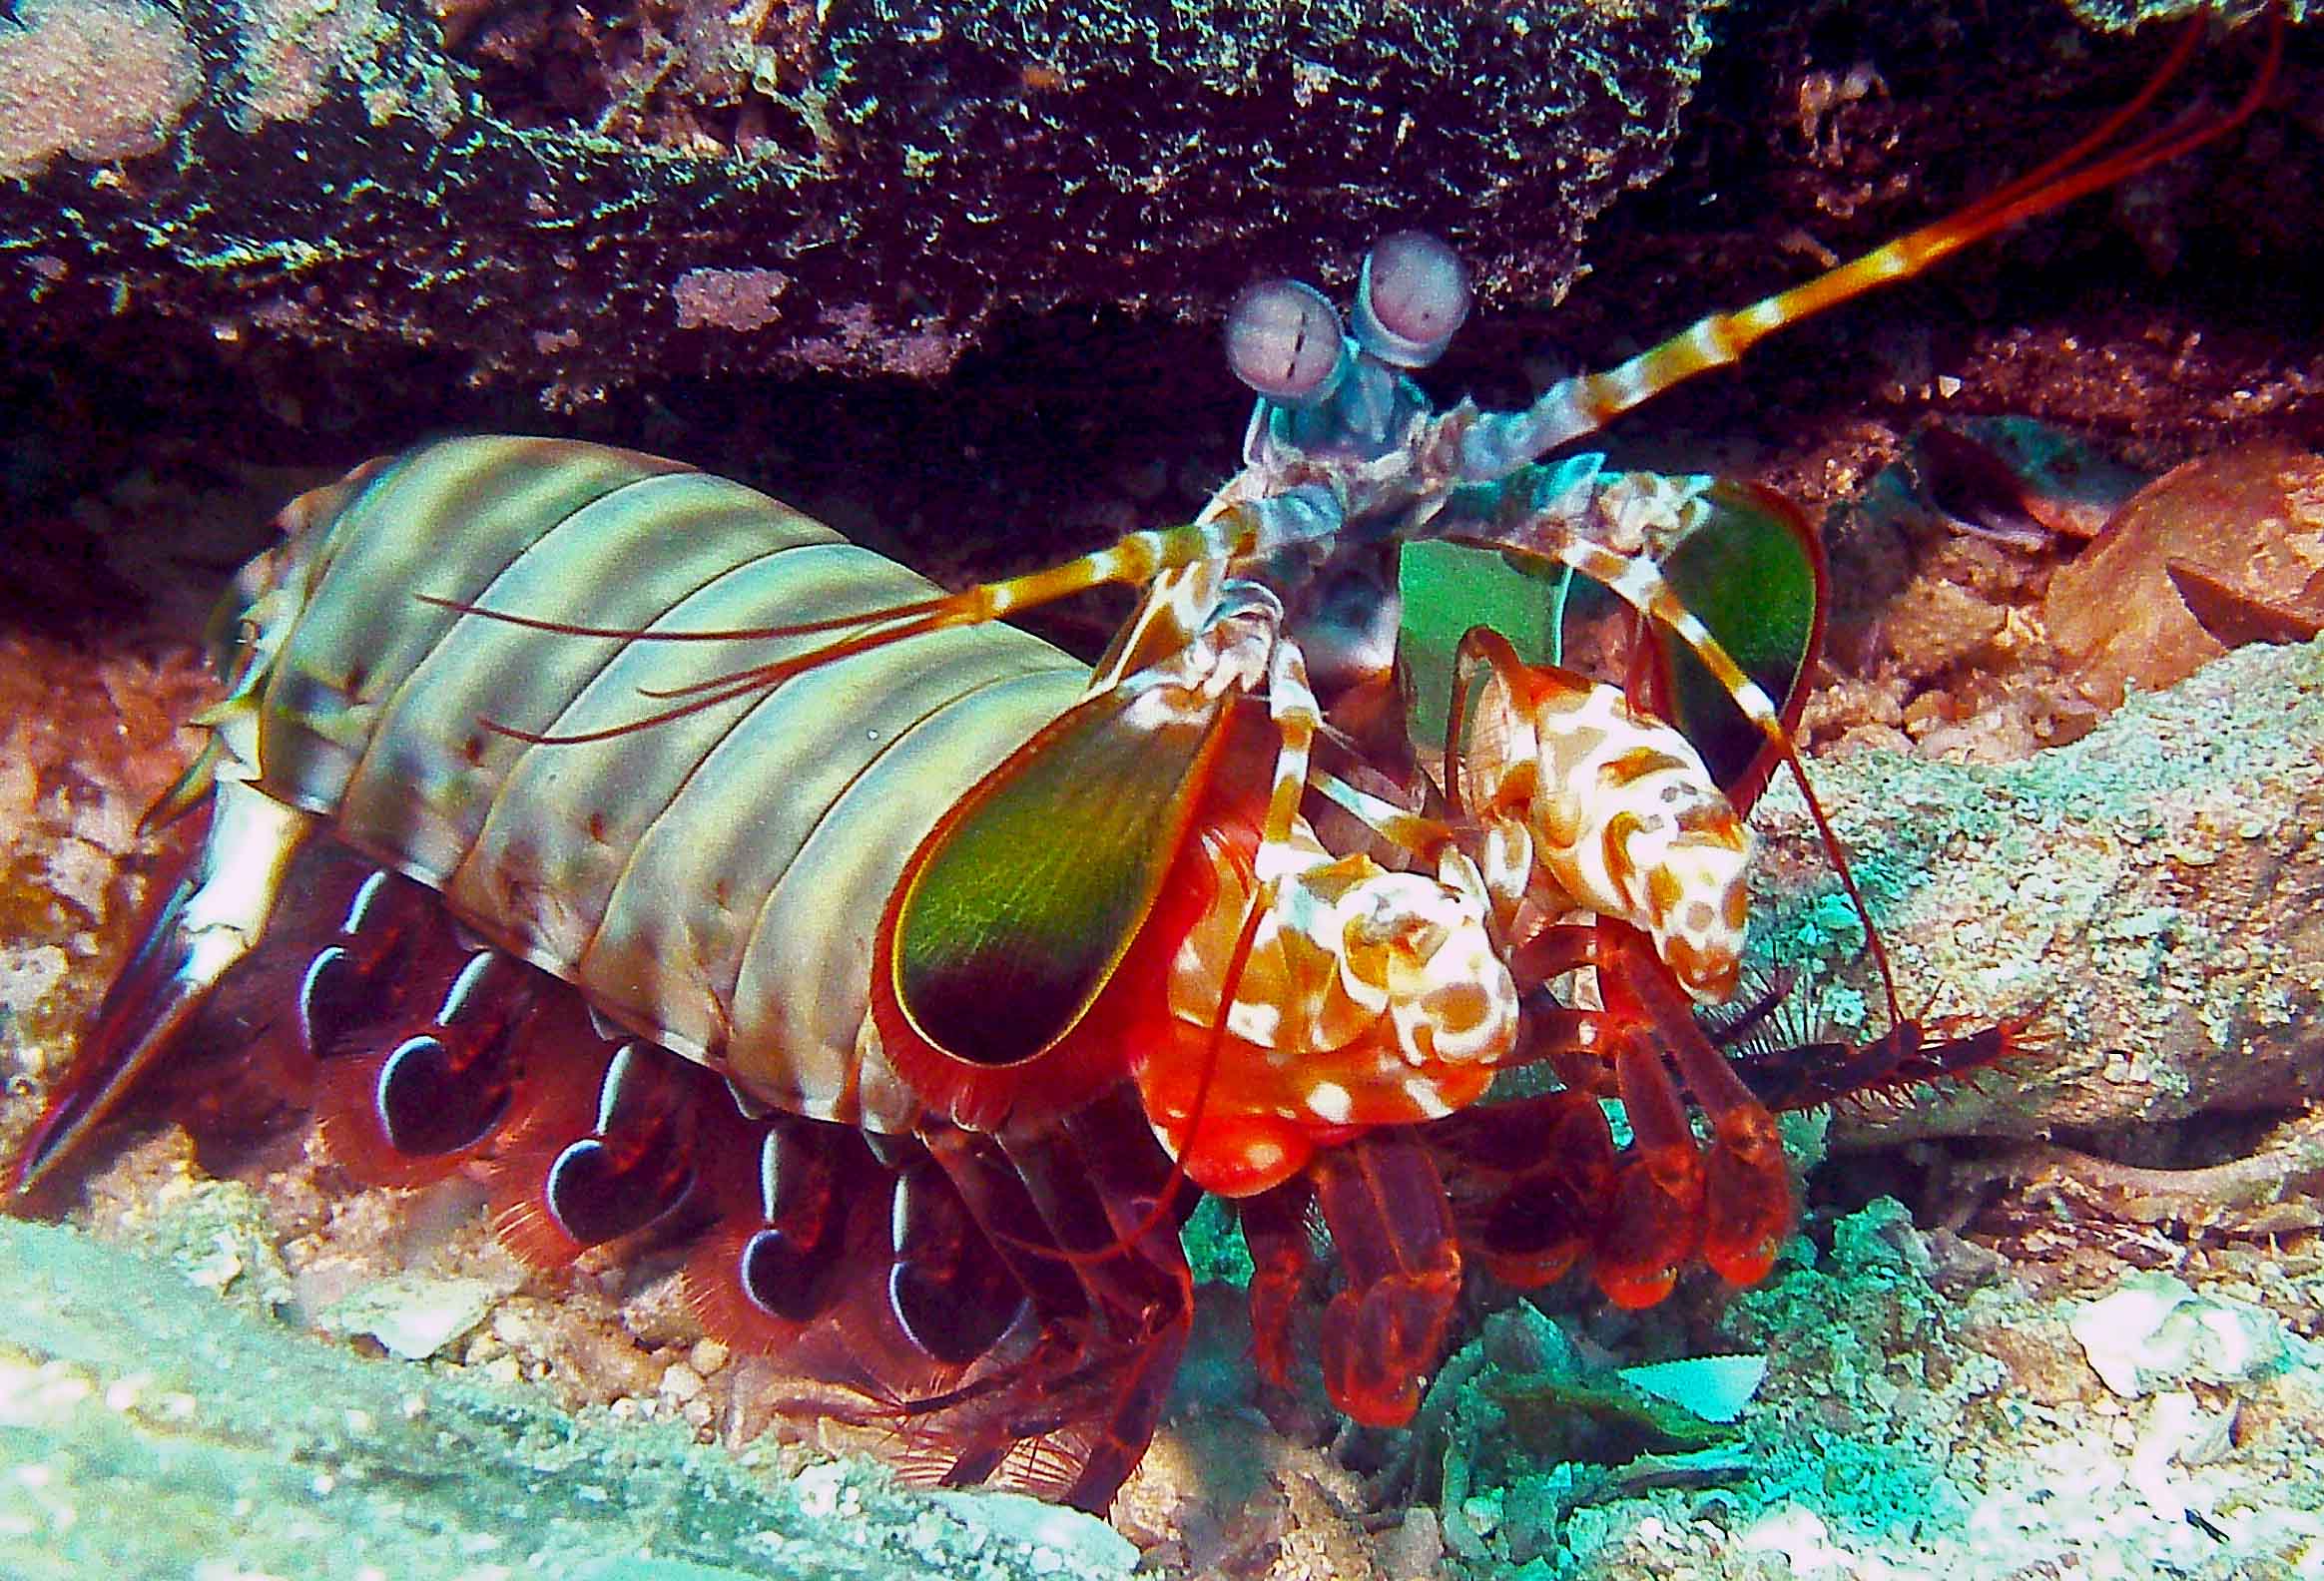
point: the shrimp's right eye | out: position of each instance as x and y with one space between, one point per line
1414 297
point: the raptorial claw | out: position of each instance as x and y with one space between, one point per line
1365 998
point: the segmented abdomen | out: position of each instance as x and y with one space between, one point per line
712 881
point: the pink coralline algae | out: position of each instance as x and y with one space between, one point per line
737 299
95 79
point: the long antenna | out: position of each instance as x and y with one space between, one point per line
1500 442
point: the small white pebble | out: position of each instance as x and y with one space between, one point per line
679 1382
707 1357
818 1489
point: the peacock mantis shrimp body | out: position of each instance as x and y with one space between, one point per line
916 969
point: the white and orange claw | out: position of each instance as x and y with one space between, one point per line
1400 947
1613 808
1368 998
1420 949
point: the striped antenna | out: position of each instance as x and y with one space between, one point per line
1500 442
1135 559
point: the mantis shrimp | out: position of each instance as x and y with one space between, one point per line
912 976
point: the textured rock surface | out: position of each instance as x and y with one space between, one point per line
2120 14
2242 530
574 195
2155 890
1920 1415
150 1430
86 747
97 81
575 200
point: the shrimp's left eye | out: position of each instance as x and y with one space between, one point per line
1284 340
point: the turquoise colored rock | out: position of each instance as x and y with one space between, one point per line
149 1430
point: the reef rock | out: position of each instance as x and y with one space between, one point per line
571 195
2150 897
152 1430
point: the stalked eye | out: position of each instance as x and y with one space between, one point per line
1284 340
1415 294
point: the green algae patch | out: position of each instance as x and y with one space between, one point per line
147 1429
1215 1250
1920 1416
1875 1389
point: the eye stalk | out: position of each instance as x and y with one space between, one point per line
1284 340
1413 296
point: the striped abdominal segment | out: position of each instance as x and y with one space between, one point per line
687 877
